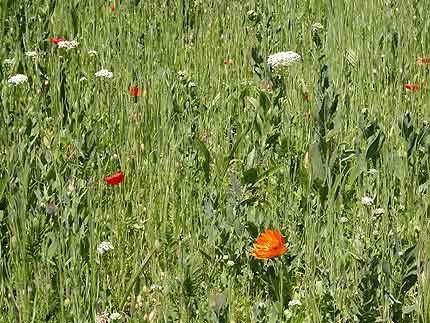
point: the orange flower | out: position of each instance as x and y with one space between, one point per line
423 61
114 179
269 244
412 87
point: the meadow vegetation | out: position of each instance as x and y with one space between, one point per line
140 161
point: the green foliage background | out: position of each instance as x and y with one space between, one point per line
213 154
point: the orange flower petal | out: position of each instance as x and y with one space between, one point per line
423 61
269 244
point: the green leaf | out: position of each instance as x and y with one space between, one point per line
250 176
201 147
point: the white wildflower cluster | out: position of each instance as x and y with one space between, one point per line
68 44
103 247
367 201
316 27
9 61
104 73
378 211
294 302
17 79
92 52
115 316
32 54
281 60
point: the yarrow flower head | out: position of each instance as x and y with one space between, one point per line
269 244
282 60
316 27
115 316
367 200
9 61
17 79
104 73
92 52
68 44
103 247
31 54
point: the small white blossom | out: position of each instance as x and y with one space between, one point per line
17 79
230 263
316 27
281 60
9 61
103 247
68 44
83 78
115 316
367 200
104 73
343 219
102 318
152 315
155 287
294 302
288 314
378 211
92 52
31 54
373 172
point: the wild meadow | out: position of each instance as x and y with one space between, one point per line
157 166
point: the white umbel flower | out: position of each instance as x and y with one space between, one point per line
17 79
92 52
294 302
104 73
9 61
367 200
283 59
378 211
316 27
68 44
103 247
31 54
115 316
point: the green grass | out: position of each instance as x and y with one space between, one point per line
212 158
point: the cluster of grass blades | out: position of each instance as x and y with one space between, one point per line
156 168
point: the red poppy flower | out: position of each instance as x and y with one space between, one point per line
269 244
412 87
306 97
113 7
228 61
135 91
114 179
55 40
423 61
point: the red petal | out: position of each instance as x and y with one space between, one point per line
114 179
411 87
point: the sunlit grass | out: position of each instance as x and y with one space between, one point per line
212 146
